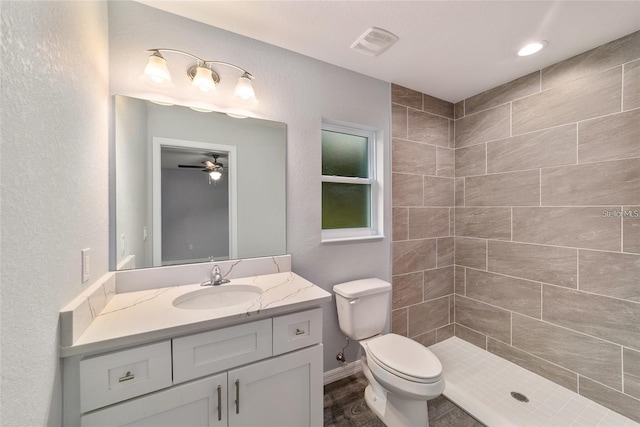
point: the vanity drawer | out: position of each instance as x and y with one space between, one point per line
121 375
197 355
297 330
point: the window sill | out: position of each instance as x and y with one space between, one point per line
352 239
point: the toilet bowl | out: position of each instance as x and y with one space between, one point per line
402 373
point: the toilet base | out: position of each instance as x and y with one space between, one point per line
393 411
397 412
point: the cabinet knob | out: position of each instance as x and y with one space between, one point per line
300 331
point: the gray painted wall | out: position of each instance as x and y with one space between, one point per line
293 89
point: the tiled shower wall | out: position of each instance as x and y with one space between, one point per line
547 246
423 201
547 264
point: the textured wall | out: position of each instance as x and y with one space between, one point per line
54 188
423 200
293 89
544 276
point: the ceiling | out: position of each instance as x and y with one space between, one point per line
447 49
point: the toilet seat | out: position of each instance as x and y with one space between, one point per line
404 358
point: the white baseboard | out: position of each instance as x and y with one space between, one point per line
342 372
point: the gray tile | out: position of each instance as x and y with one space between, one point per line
607 183
577 352
609 138
459 280
413 157
631 372
427 316
521 296
487 223
580 227
483 318
438 191
601 58
518 88
631 85
599 316
615 182
400 223
437 106
534 364
470 336
399 321
546 148
458 110
631 229
471 252
471 160
406 189
459 191
445 251
481 127
445 332
406 290
445 162
398 121
452 134
585 98
608 273
428 222
438 283
414 255
426 339
503 189
404 96
546 264
428 128
619 402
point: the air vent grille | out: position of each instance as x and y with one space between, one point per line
374 41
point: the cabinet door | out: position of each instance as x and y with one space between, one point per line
285 391
201 403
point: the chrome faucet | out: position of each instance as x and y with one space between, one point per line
216 278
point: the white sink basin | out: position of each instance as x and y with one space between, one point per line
222 296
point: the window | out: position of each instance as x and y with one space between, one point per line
350 190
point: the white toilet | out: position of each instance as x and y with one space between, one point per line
402 373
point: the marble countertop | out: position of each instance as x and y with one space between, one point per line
134 318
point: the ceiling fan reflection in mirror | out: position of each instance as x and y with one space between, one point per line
213 169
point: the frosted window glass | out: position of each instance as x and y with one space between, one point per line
345 205
345 155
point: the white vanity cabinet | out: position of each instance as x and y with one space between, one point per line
261 373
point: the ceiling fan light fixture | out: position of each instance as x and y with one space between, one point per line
215 175
533 47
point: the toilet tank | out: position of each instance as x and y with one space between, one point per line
363 307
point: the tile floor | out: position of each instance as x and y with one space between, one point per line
481 382
344 406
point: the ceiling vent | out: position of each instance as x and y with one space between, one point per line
374 41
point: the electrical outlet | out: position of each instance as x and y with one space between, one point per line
86 265
190 246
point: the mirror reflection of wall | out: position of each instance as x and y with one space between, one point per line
256 200
195 207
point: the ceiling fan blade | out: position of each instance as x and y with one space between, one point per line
189 166
208 164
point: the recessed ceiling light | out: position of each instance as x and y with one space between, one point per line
532 48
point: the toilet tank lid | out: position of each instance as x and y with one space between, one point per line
362 287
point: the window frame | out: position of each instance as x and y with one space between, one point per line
375 230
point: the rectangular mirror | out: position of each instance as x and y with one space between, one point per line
195 186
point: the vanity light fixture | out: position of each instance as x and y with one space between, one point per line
202 74
531 48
